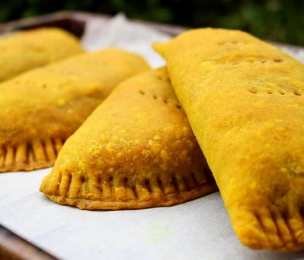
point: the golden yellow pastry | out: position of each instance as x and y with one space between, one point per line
136 150
244 100
41 108
26 50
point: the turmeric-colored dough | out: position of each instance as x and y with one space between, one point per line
41 108
136 150
244 100
22 51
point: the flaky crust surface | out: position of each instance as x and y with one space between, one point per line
244 100
41 108
22 51
136 150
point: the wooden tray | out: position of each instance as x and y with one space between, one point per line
14 247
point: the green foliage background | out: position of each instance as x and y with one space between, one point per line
277 20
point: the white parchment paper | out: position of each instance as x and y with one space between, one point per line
121 33
195 230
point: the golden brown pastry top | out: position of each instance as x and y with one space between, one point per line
25 50
244 100
212 69
135 150
111 132
46 105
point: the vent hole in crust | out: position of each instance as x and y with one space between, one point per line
98 179
253 90
125 181
82 179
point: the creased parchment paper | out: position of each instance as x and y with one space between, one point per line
195 230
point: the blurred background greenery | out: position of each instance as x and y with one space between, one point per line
276 20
